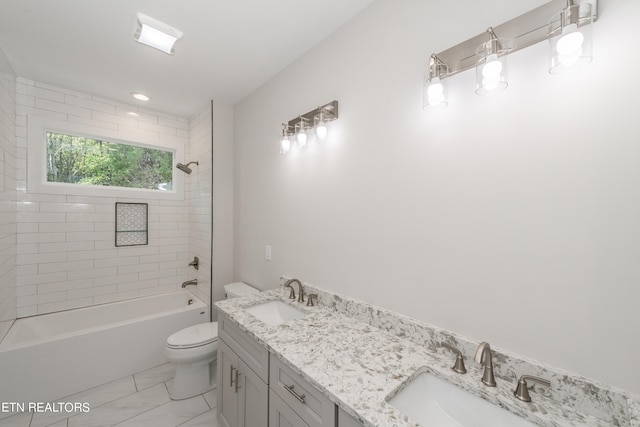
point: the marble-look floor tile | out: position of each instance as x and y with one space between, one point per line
211 397
171 414
61 423
156 375
208 419
18 420
122 409
96 397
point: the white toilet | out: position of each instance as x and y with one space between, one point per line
194 351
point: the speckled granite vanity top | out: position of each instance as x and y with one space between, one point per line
358 366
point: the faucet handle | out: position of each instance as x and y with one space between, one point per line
522 392
459 364
310 299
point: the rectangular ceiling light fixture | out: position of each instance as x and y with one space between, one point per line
156 34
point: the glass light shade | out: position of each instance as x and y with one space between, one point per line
491 68
301 137
435 94
285 145
321 131
570 41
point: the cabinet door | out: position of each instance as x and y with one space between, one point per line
227 394
346 420
281 415
253 398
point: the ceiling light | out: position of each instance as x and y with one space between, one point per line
133 114
140 96
156 34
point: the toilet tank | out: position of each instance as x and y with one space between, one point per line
238 289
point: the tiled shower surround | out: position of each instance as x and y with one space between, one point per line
8 245
66 254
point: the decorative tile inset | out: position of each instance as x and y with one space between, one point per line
132 224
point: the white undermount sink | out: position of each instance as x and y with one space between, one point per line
431 401
275 312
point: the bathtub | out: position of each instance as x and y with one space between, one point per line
51 356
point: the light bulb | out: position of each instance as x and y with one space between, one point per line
321 131
571 41
301 137
493 68
435 92
285 145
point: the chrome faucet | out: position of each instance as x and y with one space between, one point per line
483 356
292 295
190 282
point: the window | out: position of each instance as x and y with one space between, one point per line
75 159
85 161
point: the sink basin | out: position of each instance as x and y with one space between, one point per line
431 401
275 312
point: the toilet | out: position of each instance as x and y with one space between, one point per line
194 351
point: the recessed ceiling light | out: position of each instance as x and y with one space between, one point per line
133 114
140 96
156 34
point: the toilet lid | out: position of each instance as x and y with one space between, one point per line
194 336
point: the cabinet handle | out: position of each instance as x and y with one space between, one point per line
237 382
289 388
231 376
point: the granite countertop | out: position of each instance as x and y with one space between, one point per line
358 366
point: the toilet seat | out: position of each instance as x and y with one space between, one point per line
194 336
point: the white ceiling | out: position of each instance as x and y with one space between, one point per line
229 48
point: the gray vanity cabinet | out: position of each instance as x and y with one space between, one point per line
243 395
289 390
281 415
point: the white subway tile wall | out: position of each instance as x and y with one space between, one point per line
66 255
8 207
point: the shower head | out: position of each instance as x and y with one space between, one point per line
186 168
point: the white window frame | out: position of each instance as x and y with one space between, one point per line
37 166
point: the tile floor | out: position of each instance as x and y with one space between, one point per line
140 400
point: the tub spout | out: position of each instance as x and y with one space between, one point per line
190 282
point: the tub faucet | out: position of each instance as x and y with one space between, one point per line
483 356
292 295
190 282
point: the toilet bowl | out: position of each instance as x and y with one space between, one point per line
194 351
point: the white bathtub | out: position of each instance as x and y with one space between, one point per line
48 357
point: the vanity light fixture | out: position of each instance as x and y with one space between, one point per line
565 23
491 65
435 90
285 140
301 134
297 128
570 37
156 34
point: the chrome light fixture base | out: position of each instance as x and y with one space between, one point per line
523 31
316 119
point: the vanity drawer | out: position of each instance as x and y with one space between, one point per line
250 351
305 400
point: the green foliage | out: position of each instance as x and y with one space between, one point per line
79 160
